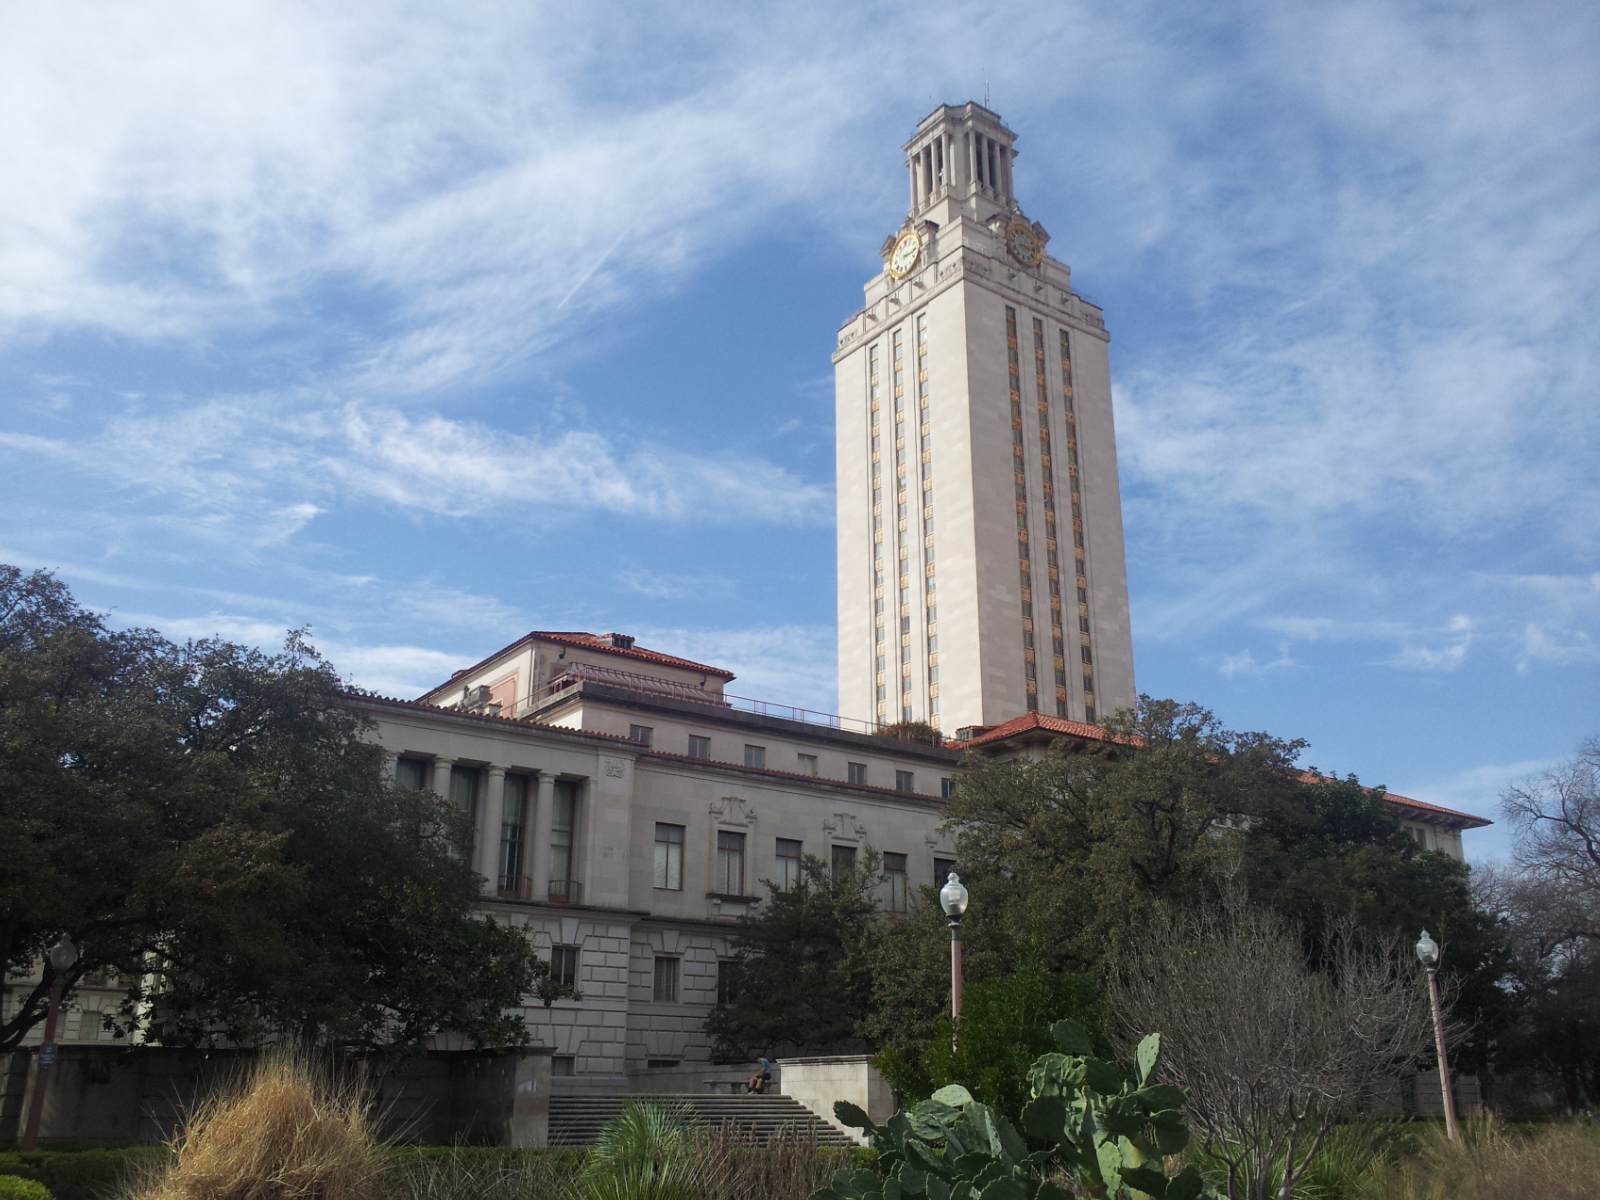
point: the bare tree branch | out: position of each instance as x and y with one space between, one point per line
1272 1051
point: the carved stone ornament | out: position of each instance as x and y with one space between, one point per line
730 810
846 827
616 768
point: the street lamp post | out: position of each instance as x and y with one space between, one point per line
1428 955
953 898
62 956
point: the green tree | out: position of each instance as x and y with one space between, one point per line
800 976
1005 1025
1333 847
211 823
1070 857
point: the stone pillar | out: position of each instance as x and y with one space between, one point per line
530 1102
539 831
490 817
391 763
441 777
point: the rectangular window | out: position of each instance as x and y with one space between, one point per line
942 867
727 980
904 781
411 773
789 851
660 1064
808 764
947 788
755 756
894 878
513 824
669 857
564 965
730 863
699 747
666 982
843 860
464 788
639 733
464 795
858 771
563 1065
563 832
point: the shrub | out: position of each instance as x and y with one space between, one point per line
287 1133
15 1187
83 1174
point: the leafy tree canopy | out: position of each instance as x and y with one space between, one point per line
1072 855
800 979
209 822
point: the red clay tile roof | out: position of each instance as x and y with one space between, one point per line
589 641
1467 819
1056 725
594 641
1063 727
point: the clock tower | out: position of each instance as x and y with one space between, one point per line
981 572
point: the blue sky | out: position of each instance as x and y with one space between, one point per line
428 325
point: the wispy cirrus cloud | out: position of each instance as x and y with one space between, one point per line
1348 251
269 462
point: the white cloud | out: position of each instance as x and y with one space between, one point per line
1245 663
246 468
392 670
787 664
401 671
1368 379
1447 652
672 586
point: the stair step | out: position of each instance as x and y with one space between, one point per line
578 1120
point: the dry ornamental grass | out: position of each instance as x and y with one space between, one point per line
287 1134
1493 1162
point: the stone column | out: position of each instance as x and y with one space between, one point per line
539 831
391 763
441 777
490 818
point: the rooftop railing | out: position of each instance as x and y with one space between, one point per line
579 673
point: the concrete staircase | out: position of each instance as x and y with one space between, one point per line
576 1120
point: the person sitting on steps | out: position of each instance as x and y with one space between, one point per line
758 1082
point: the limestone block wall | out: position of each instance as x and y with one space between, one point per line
818 1083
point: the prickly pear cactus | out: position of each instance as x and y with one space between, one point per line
1103 1126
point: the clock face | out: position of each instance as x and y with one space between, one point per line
904 256
1022 244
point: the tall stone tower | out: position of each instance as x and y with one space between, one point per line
981 571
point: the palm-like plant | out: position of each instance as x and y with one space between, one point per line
647 1153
